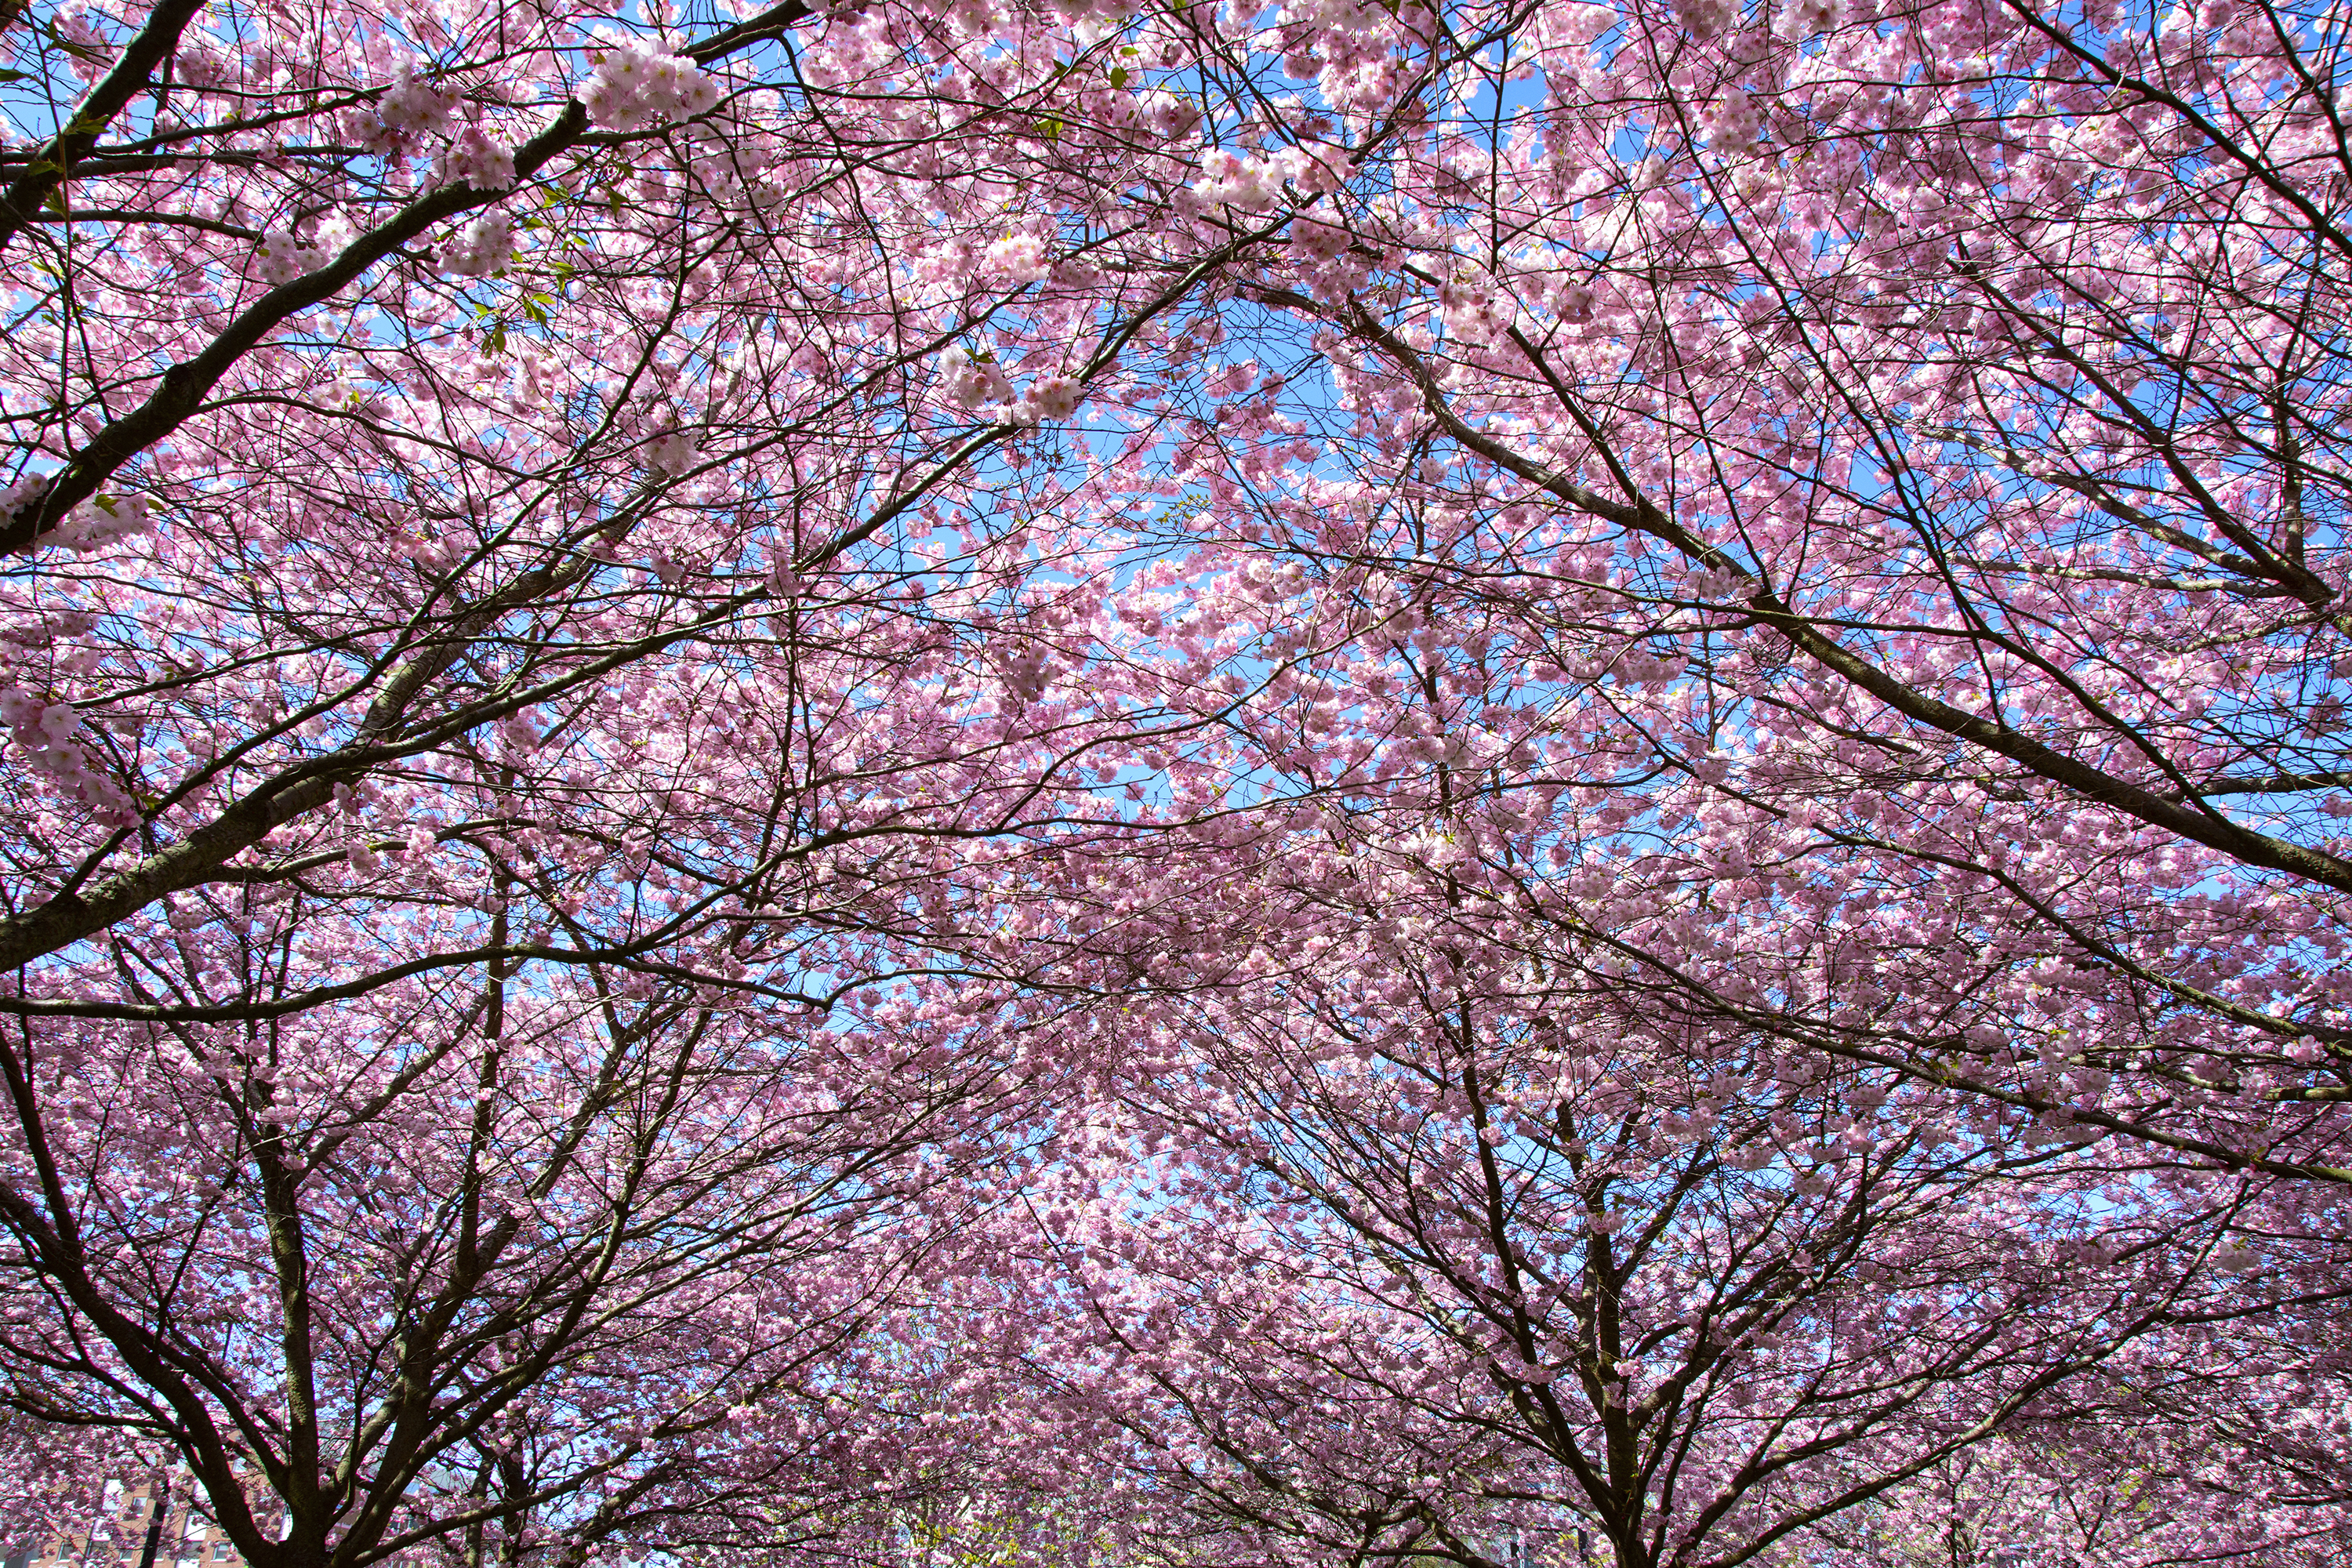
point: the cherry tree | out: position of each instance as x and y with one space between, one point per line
1899 446
548 1267
1795 475
551 553
2125 1496
1405 1252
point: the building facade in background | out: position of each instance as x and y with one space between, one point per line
117 1531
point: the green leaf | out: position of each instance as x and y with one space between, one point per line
1119 76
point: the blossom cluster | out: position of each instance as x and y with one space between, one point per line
673 453
471 158
407 109
1803 19
1054 396
46 731
1707 18
100 520
1020 259
971 381
484 247
1255 185
642 89
103 520
1733 120
280 258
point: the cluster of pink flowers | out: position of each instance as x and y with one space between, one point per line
483 247
471 158
45 734
636 89
673 453
1257 183
1707 18
281 257
969 380
1020 259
